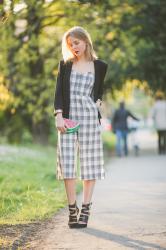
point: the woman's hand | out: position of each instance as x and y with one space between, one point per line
60 124
98 103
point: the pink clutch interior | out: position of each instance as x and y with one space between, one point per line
72 126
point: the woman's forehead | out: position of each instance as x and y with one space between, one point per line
72 39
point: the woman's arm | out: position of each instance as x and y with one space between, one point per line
58 101
103 73
58 97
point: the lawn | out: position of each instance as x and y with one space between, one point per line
28 187
109 140
29 190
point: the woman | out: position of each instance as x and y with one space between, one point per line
78 95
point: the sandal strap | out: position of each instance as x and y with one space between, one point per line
73 212
73 209
87 206
85 212
72 218
72 205
84 218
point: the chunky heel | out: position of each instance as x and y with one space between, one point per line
73 212
84 215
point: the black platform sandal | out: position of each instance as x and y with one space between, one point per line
73 210
84 215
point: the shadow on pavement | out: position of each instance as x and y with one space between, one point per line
122 240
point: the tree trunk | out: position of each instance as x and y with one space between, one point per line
40 132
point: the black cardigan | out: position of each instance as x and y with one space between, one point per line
62 90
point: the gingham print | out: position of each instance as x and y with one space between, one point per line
86 143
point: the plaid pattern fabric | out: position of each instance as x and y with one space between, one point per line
86 143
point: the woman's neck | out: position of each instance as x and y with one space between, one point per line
81 59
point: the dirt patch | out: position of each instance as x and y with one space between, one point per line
21 236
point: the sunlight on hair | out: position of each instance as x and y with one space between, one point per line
79 33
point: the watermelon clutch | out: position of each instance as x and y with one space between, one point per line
72 126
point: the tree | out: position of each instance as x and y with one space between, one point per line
128 35
26 69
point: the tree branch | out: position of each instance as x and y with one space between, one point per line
53 22
50 16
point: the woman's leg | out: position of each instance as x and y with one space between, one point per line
88 186
70 186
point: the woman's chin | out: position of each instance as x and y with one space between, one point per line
79 55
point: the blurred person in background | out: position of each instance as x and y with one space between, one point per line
120 128
134 138
159 118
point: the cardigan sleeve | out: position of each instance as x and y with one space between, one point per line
103 73
58 96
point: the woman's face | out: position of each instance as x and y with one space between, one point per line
76 46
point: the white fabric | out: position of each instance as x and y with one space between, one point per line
159 114
87 142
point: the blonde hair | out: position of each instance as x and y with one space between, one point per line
81 34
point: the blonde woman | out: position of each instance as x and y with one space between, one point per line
78 95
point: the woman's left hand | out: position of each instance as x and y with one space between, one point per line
98 103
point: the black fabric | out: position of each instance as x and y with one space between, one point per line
119 120
62 89
161 141
83 218
74 210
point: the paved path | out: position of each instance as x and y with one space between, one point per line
128 212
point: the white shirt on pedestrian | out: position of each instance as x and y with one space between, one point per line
159 114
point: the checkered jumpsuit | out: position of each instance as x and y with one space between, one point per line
87 142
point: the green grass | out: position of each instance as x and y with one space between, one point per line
28 187
109 140
29 190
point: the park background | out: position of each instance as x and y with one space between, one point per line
129 35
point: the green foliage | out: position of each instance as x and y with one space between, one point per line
108 140
152 61
128 35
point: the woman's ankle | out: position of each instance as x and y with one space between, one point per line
72 203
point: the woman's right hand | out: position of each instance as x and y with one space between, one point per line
60 124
